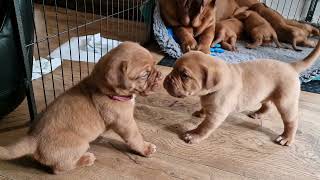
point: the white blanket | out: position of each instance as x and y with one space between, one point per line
84 48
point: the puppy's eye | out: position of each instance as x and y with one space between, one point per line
145 75
184 76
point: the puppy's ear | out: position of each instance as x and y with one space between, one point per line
242 15
116 74
240 10
212 79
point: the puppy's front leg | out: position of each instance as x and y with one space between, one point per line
205 39
129 132
211 122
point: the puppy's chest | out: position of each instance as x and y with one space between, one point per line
112 110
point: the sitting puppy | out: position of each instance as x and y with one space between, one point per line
227 32
285 32
191 20
224 88
103 100
258 28
307 28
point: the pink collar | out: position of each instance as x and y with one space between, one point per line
121 98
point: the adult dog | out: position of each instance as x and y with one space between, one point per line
103 100
191 20
224 88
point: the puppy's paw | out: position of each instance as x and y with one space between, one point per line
87 159
149 149
284 141
204 49
199 114
191 138
189 45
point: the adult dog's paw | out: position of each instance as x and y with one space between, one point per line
188 45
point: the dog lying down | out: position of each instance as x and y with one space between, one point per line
103 100
224 88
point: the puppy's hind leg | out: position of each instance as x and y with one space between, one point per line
69 158
233 41
255 44
288 110
294 45
263 110
276 41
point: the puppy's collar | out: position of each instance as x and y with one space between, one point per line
121 98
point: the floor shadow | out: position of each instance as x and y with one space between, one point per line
257 127
29 162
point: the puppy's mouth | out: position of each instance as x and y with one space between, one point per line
152 84
169 85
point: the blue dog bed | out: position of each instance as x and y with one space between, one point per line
168 44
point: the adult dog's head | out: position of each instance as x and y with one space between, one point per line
189 11
194 74
126 70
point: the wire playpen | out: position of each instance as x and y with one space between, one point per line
71 35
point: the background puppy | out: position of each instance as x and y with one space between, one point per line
225 88
285 32
191 20
227 32
258 28
307 28
105 99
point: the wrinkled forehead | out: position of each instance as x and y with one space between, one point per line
188 63
141 58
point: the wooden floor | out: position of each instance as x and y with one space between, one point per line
241 148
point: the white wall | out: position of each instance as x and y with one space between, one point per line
294 9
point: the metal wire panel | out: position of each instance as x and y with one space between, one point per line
58 24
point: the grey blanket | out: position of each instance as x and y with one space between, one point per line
170 47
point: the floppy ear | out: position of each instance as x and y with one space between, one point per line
240 10
115 74
242 15
212 79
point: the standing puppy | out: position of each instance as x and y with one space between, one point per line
226 88
103 100
227 33
258 28
193 22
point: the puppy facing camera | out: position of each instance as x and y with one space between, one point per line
225 88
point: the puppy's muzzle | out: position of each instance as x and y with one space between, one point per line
169 85
153 83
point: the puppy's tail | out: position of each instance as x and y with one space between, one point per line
300 66
24 146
